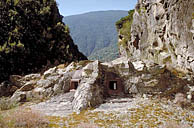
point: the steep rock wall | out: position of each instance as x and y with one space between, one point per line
162 32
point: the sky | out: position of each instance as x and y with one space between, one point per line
73 7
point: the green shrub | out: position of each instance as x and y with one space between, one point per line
32 33
124 26
119 24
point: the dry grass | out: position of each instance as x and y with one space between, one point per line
174 125
6 104
22 118
86 125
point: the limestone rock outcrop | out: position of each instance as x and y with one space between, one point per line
53 82
162 32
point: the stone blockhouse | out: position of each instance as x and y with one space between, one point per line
111 82
75 80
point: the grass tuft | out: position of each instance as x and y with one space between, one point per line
6 104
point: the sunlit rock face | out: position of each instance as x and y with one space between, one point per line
163 32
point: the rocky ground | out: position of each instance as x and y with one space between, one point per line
57 106
117 112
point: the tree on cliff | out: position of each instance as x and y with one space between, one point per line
31 35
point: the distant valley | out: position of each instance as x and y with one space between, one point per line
95 33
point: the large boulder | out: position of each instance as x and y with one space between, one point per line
63 85
90 90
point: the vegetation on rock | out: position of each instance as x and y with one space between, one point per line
124 27
32 35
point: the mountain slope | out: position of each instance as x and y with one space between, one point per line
105 54
94 31
33 37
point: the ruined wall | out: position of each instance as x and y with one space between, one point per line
163 32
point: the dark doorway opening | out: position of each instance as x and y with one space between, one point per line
74 84
113 85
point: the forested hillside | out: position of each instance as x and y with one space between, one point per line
95 31
33 36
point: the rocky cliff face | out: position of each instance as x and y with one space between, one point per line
33 37
162 32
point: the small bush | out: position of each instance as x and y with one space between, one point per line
23 118
119 23
6 104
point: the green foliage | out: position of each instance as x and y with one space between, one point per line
20 45
67 29
16 2
192 15
95 33
126 30
119 23
45 10
31 34
124 26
